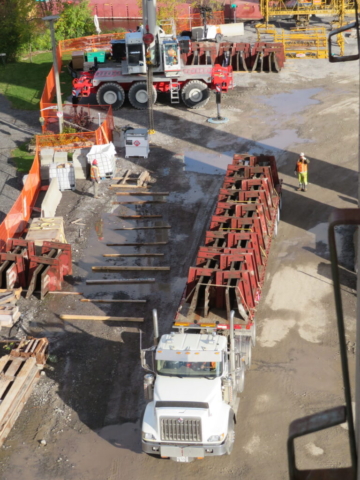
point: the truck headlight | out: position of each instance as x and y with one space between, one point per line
215 438
147 436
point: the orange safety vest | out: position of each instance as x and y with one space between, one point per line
94 172
301 167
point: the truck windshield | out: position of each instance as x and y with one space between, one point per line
189 369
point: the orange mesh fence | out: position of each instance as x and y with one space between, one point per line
86 117
187 23
91 42
16 220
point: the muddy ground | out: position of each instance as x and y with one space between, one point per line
87 406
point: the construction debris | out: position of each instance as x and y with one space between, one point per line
120 282
155 227
9 311
139 202
128 269
101 318
140 180
135 244
19 372
93 300
114 255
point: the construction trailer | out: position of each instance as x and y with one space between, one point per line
197 371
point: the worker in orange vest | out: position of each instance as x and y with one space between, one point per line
301 171
95 177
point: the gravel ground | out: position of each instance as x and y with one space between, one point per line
87 406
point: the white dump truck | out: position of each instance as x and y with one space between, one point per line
196 372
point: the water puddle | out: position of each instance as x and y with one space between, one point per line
287 104
279 142
209 163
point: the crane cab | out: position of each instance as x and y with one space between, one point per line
171 57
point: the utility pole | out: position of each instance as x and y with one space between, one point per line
52 19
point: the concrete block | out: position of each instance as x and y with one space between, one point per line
46 156
60 157
51 200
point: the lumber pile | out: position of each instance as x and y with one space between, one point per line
9 311
19 373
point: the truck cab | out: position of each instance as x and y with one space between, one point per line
191 407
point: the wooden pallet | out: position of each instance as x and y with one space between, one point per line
32 347
132 180
17 379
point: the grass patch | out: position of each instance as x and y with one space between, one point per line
23 82
22 158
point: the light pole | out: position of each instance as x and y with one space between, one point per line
52 19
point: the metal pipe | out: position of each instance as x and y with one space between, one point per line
156 326
232 345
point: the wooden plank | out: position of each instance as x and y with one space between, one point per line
13 396
139 216
64 293
16 291
111 301
126 185
129 269
135 244
140 194
155 227
133 255
139 202
3 362
100 318
16 397
121 282
127 173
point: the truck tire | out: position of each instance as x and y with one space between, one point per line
275 228
230 438
247 351
253 335
195 94
138 96
240 380
111 94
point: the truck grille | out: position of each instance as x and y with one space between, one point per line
178 429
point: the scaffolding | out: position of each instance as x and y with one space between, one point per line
302 11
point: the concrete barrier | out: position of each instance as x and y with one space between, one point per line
51 200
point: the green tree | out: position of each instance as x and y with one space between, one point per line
76 20
16 26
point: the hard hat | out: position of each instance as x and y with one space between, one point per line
302 154
94 162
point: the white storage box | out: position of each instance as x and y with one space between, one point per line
137 143
105 156
65 174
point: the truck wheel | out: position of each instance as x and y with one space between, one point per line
240 380
218 37
247 351
138 95
253 335
230 439
275 228
111 94
195 94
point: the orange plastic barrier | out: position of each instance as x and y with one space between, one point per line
16 220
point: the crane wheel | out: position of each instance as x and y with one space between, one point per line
138 95
195 94
111 94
